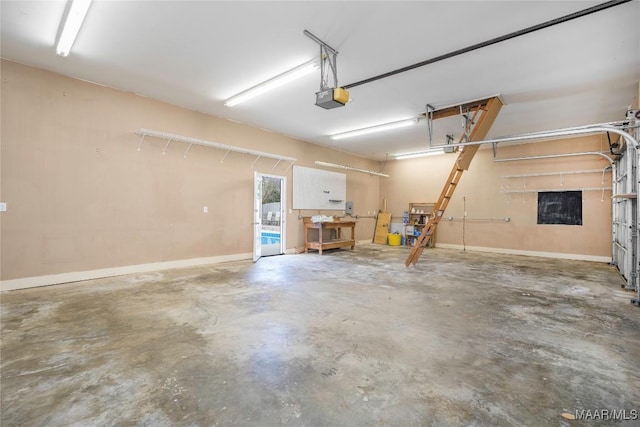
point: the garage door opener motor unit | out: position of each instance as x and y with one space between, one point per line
328 97
332 97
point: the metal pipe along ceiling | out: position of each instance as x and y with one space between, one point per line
582 130
555 156
493 41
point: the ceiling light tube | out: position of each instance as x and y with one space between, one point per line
272 83
73 22
419 154
377 128
349 168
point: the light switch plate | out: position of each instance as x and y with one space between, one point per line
205 209
3 207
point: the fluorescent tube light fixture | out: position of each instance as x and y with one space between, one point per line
73 22
272 83
377 128
420 154
349 168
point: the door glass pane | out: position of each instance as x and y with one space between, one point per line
271 211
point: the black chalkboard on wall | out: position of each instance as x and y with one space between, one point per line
560 207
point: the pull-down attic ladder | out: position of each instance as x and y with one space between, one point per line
488 110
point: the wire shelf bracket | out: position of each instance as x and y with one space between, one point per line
204 143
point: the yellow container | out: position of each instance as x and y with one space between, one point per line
394 239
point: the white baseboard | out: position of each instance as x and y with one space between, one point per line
557 255
56 279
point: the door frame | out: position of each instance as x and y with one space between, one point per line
257 213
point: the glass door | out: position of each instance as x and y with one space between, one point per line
269 214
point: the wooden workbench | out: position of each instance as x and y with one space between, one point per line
332 243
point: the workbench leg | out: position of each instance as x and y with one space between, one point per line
353 236
306 239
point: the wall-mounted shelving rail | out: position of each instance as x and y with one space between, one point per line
228 148
561 174
544 190
576 172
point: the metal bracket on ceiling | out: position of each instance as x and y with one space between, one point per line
450 139
463 110
430 111
466 124
328 62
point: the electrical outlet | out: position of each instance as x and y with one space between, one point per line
205 209
3 207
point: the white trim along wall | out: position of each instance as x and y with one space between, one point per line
77 276
557 255
56 279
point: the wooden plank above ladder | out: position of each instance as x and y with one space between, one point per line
490 111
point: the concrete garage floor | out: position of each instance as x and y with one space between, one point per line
350 338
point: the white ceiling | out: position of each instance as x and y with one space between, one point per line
196 54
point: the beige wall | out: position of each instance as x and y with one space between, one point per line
422 179
81 197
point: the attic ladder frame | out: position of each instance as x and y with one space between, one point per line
490 110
